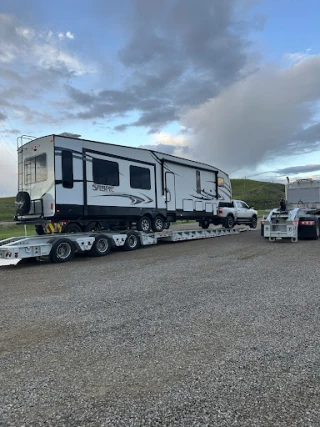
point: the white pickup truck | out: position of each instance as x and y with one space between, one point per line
237 212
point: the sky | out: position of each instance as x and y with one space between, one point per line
232 83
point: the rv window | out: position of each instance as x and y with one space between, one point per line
220 181
198 181
35 169
140 178
67 169
105 172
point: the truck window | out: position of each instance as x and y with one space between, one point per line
105 172
140 178
67 169
35 169
198 181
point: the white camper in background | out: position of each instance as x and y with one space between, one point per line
82 184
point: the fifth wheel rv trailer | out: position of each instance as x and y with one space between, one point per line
80 184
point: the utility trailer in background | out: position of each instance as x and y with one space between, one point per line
294 224
62 247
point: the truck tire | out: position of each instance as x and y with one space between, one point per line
254 222
158 223
144 224
101 246
228 222
92 227
132 242
71 228
204 224
62 251
22 203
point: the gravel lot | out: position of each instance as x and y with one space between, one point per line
217 332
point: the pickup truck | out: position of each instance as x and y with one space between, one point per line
237 212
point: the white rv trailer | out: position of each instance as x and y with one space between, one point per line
69 180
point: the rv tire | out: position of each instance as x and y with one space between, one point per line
144 224
71 228
158 223
62 251
132 242
101 246
22 203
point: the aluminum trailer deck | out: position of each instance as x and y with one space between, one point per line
62 247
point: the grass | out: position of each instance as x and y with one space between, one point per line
261 195
7 231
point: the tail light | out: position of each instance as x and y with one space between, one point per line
307 222
295 222
220 211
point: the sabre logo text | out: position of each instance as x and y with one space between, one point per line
105 188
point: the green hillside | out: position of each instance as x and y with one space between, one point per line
261 195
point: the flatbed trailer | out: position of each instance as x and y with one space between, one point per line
62 247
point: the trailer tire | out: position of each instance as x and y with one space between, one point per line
254 222
71 228
62 250
22 203
92 227
158 223
144 224
228 222
132 242
101 246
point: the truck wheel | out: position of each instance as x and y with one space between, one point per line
132 242
92 227
144 224
229 222
71 228
254 222
204 224
101 246
62 251
158 223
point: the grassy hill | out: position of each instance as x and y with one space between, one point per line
261 195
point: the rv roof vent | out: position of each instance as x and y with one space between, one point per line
70 135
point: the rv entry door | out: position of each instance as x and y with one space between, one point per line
170 192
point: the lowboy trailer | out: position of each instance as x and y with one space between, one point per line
62 247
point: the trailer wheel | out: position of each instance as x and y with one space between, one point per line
92 227
132 242
158 223
272 239
62 251
229 222
71 228
254 222
204 224
144 224
101 246
294 240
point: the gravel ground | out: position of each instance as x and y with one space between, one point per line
217 332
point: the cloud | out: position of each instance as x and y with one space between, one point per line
178 53
259 117
3 117
169 144
298 169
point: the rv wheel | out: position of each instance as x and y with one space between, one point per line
144 224
22 203
158 223
132 242
62 250
101 246
71 228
